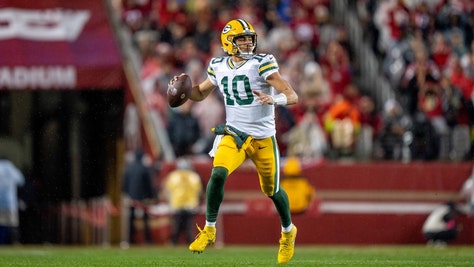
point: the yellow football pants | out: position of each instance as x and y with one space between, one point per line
264 154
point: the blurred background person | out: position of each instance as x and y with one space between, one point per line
183 190
441 226
307 138
342 122
396 126
371 123
138 186
300 191
209 113
184 130
10 179
467 193
430 102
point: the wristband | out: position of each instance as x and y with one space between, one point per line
279 99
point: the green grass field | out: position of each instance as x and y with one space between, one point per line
386 256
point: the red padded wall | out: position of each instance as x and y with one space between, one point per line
372 183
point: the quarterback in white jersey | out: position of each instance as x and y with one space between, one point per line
251 85
236 82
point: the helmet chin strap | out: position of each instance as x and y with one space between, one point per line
246 55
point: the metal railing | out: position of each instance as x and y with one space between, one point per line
152 122
371 77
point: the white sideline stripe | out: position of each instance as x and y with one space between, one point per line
345 207
379 207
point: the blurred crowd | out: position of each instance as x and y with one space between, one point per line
426 49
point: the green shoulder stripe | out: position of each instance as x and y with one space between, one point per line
211 72
268 66
230 63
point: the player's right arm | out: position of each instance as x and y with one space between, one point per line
198 92
201 91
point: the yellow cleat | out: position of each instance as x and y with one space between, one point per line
204 238
287 246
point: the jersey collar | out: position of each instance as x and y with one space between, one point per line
234 65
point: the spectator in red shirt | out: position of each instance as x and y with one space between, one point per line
460 79
371 124
398 20
430 103
336 67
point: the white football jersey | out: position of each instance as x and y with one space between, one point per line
236 83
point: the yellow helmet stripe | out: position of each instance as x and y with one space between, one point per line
244 24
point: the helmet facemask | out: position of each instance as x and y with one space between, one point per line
250 49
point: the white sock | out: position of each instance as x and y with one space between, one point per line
211 224
286 229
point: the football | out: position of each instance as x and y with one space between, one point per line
179 91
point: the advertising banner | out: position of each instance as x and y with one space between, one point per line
57 45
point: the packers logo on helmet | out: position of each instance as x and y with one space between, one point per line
236 28
226 29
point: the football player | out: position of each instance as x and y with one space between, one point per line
251 85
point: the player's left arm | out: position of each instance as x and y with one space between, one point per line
286 94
